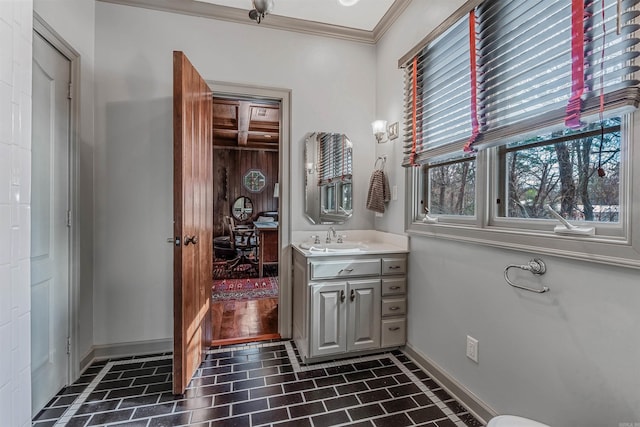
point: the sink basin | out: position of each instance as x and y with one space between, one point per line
333 247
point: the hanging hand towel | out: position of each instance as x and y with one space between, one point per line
378 193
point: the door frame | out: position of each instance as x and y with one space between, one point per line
51 36
284 203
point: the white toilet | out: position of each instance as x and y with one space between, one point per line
513 421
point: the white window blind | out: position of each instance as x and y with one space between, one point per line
443 89
524 73
525 58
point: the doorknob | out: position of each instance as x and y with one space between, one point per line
190 239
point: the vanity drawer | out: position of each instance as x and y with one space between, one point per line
394 332
395 265
394 286
394 306
345 268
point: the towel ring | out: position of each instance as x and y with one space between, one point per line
535 266
384 162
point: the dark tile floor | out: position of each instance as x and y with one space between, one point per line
258 384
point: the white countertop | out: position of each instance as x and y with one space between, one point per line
372 242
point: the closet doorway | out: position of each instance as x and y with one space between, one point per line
246 167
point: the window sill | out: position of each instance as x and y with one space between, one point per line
601 249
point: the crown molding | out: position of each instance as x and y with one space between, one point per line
389 18
240 16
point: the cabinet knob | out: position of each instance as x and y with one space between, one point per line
394 267
348 270
393 288
353 295
394 308
395 328
342 297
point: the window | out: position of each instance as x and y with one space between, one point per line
450 188
544 93
575 173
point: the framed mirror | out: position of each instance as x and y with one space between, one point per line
242 208
254 180
328 177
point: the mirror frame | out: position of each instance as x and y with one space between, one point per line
254 180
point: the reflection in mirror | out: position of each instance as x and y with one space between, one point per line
345 198
328 177
242 208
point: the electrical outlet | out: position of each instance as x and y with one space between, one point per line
472 348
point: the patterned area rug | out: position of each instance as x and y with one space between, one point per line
252 288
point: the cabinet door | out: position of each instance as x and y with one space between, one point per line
328 319
363 331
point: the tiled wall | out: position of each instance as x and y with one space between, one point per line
15 235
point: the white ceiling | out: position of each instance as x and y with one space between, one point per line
364 15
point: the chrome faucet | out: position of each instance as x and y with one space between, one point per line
330 231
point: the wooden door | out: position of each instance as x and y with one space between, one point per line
328 319
193 219
50 202
363 331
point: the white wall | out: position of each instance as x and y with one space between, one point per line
332 85
74 21
567 358
15 219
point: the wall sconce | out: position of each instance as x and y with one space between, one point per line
384 133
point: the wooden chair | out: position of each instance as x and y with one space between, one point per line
243 241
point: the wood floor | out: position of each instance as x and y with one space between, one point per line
236 321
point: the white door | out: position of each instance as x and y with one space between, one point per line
49 230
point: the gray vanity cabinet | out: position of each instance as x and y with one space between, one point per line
343 305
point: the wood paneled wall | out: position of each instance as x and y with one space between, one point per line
229 168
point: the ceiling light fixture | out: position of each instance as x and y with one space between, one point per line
261 8
348 2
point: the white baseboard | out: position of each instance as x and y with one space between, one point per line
469 400
136 348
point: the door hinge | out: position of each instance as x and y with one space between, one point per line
69 95
69 218
68 345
